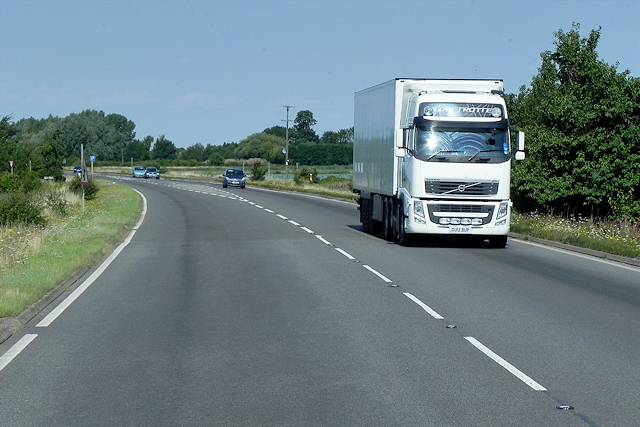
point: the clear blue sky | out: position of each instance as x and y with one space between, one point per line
217 71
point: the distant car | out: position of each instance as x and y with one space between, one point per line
138 172
77 170
234 178
152 172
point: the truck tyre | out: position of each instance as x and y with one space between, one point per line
387 214
498 241
404 238
365 215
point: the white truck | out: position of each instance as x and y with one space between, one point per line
434 157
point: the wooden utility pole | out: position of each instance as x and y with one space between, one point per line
286 143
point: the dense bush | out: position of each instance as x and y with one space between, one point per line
306 176
90 190
56 202
20 209
321 154
26 182
258 172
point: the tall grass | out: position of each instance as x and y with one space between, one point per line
33 260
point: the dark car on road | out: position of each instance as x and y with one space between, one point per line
233 178
152 172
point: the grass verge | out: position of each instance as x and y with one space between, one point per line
330 188
58 250
614 238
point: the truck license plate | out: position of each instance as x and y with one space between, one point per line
459 230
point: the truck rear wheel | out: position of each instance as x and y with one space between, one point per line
365 215
387 215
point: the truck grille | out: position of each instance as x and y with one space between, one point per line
467 188
460 208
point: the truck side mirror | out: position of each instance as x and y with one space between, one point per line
520 141
520 146
402 142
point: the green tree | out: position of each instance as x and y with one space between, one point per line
148 142
164 149
279 131
51 153
259 145
104 136
8 145
122 126
343 136
302 128
582 119
217 153
194 152
136 150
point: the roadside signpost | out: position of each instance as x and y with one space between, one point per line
84 179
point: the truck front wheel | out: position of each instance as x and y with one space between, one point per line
498 241
404 238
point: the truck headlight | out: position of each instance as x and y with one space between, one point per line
418 209
502 210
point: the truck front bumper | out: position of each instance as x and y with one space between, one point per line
458 218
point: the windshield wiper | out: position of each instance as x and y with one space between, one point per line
482 151
440 152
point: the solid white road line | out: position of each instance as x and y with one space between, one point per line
424 306
15 350
508 366
579 255
53 315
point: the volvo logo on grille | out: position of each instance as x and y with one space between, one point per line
461 188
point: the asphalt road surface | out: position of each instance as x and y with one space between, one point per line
246 307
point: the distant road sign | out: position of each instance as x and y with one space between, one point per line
92 158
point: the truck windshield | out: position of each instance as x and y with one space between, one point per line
462 144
